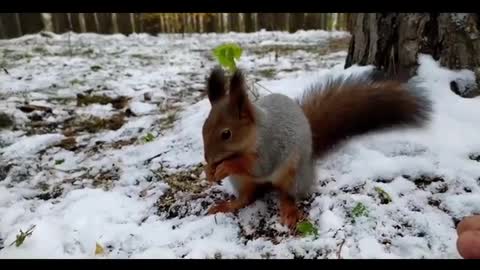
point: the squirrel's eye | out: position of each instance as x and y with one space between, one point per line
226 134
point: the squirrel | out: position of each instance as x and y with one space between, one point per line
273 143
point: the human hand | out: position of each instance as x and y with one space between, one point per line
468 242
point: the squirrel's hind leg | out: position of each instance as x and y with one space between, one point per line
289 212
285 184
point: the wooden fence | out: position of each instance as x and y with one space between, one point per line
18 24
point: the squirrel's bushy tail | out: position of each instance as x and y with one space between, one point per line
347 106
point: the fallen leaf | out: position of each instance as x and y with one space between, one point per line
99 249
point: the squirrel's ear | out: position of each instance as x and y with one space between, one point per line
239 96
216 85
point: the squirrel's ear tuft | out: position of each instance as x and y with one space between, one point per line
237 82
216 85
239 96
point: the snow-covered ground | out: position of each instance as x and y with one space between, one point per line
124 172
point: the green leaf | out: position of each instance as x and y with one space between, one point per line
148 138
359 210
226 55
20 238
306 228
76 81
99 250
59 161
384 197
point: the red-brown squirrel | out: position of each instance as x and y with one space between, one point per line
274 141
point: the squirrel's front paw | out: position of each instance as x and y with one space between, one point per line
210 173
290 218
222 207
289 214
221 172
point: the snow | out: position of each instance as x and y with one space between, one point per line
96 110
370 248
113 190
139 108
30 145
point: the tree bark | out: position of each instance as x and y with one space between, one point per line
392 42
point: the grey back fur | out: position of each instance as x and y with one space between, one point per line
282 130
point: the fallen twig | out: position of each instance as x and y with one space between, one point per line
339 252
154 157
66 171
263 87
28 108
144 192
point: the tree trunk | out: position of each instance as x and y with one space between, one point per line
31 22
392 42
321 21
105 23
113 17
211 23
233 22
265 21
138 22
325 21
298 21
241 22
249 27
200 22
124 23
311 21
11 25
60 22
3 30
255 21
81 20
90 22
349 20
75 19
